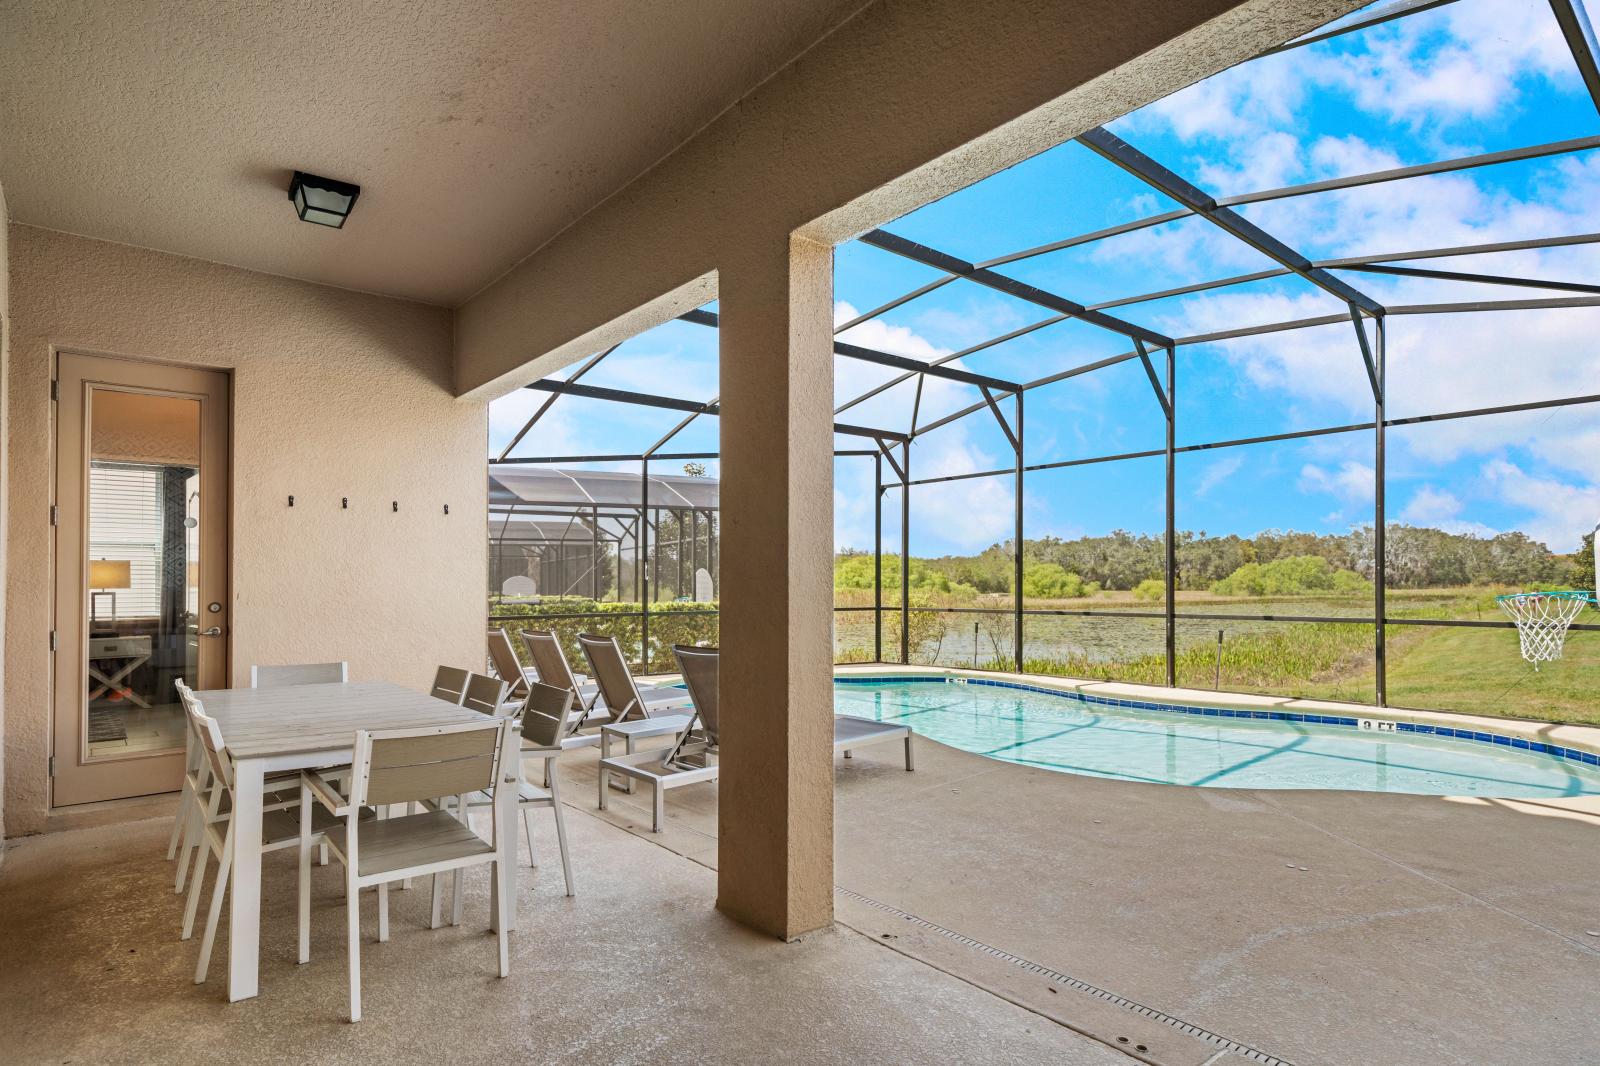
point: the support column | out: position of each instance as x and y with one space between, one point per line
775 805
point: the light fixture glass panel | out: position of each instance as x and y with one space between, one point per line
325 199
323 218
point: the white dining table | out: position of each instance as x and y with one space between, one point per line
297 727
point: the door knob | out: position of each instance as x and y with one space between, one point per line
214 631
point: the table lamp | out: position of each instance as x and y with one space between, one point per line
104 576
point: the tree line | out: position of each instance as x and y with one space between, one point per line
1418 557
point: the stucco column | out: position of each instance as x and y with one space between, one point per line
775 811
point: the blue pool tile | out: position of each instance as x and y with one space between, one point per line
1498 739
1405 727
1518 742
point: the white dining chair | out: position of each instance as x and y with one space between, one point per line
487 695
544 722
299 674
450 684
281 828
405 766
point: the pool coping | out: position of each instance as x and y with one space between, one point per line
1577 743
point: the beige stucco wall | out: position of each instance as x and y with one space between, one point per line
336 394
5 368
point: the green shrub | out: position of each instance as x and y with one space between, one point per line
1151 588
1292 576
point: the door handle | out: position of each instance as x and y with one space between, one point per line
214 631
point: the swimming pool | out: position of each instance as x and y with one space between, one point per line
1064 732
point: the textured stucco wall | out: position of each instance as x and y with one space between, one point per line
5 368
335 394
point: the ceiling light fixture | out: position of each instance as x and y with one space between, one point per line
322 200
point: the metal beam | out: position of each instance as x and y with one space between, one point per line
1376 17
1113 148
594 361
1575 27
641 399
1479 279
918 253
1155 380
917 366
1366 355
1375 177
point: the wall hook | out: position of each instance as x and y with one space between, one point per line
447 508
344 502
397 506
291 501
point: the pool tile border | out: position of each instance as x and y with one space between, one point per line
1577 755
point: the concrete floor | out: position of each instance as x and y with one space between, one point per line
1420 930
1019 908
638 968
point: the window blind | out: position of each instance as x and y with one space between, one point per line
126 523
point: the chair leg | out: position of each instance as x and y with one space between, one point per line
352 912
847 754
383 912
438 898
193 839
659 815
527 829
603 775
304 918
324 861
910 762
500 929
179 819
224 868
560 833
195 880
455 897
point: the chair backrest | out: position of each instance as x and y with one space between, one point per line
546 717
544 648
406 765
208 737
701 667
484 694
449 684
504 658
299 674
611 673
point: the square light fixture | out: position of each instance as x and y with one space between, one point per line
322 200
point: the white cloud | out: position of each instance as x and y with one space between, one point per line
1351 482
1561 514
1439 509
1216 473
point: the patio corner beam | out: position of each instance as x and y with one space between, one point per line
1373 375
1118 151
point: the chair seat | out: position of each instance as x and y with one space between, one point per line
850 731
413 840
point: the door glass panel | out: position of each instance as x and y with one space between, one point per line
141 570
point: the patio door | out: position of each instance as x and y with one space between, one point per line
141 569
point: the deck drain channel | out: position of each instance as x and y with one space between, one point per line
1221 1042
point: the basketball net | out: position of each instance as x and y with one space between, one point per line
1542 619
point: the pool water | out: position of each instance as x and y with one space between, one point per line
1036 729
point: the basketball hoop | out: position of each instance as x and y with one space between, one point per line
1542 619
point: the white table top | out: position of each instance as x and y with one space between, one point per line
259 723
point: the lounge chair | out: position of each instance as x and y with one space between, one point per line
512 672
624 698
692 758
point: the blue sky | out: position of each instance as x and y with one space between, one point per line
1473 76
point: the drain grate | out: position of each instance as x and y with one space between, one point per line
1222 1043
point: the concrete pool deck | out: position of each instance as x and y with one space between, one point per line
1309 926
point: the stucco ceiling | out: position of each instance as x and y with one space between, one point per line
477 129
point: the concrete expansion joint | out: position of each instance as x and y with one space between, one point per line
1224 1045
